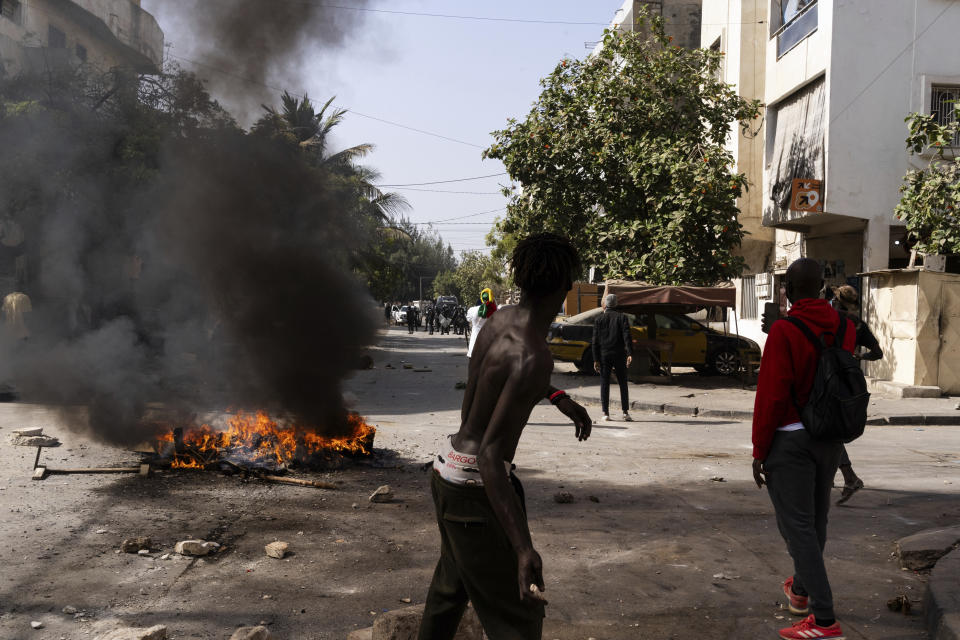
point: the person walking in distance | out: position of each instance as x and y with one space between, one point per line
797 469
612 351
412 318
486 552
846 300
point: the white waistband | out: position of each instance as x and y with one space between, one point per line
461 468
793 426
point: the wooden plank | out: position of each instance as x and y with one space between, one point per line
144 469
94 470
302 483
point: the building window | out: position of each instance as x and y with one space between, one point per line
81 52
56 39
791 21
715 47
10 9
944 101
748 298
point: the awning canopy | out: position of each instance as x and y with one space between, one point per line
639 294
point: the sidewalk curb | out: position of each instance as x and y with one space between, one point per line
941 602
670 408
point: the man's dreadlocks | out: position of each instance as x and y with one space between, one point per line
543 263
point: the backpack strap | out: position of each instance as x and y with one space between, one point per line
805 330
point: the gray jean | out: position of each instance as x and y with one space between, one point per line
800 473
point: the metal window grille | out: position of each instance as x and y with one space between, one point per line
748 298
944 103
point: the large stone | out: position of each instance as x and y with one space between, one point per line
196 547
922 550
404 624
135 545
34 441
157 632
382 494
252 633
277 549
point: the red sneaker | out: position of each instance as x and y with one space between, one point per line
798 605
807 629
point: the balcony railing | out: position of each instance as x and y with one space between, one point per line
797 27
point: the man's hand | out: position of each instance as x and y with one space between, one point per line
529 574
629 360
581 419
759 474
596 366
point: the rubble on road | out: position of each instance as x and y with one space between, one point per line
563 497
28 431
382 494
196 547
136 545
404 624
36 625
34 441
277 549
156 632
252 633
69 610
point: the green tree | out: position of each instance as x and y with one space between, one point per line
475 272
930 198
623 152
445 284
403 259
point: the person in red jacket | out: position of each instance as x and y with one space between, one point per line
798 470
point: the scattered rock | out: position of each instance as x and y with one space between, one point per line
563 497
28 431
423 370
34 441
277 549
900 603
388 366
460 385
157 632
165 556
196 547
405 600
135 545
252 633
355 506
36 625
922 550
403 624
724 576
408 366
717 479
143 552
99 531
382 494
69 610
593 499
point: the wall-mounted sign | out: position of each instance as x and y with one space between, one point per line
807 196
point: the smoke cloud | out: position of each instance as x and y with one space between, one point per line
176 270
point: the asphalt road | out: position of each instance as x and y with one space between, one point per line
666 549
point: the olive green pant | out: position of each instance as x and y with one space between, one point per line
477 564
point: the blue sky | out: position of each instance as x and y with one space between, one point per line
458 78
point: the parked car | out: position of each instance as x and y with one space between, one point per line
400 315
694 345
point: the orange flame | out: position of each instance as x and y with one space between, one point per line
259 439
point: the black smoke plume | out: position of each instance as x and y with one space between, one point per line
172 259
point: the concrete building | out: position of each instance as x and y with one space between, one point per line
738 29
105 34
839 77
682 18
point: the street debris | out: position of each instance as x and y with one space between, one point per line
717 479
28 431
252 633
724 576
406 600
196 547
563 497
382 494
156 632
593 498
423 370
34 441
900 603
408 366
69 610
135 545
143 552
460 385
277 549
36 625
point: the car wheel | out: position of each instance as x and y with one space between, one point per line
726 362
585 363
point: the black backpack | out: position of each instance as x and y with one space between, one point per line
837 408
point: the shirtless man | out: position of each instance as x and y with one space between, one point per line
486 554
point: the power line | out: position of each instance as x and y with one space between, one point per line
892 62
471 215
473 193
421 184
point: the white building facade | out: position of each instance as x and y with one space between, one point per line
105 34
